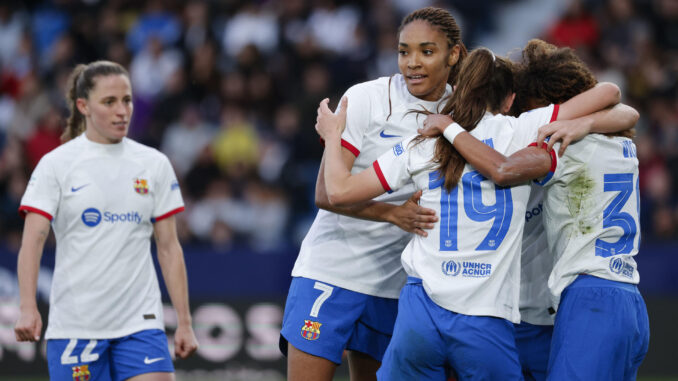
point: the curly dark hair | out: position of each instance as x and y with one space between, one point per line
549 74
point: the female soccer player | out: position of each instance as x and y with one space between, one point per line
105 195
465 274
591 242
348 274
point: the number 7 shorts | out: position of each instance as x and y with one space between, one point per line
323 320
108 359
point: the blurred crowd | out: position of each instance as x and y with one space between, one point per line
228 90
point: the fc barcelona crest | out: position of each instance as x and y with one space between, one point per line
141 186
310 330
81 373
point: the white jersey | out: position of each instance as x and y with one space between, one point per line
470 262
592 212
536 264
102 200
355 254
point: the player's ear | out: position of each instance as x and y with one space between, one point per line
453 58
82 105
508 102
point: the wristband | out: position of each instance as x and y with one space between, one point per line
452 131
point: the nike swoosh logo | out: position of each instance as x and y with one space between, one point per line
383 134
148 361
75 189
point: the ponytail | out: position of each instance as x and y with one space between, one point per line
80 83
484 83
75 124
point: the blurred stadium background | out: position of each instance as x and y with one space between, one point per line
228 90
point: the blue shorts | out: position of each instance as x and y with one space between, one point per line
429 342
534 345
109 359
601 333
323 320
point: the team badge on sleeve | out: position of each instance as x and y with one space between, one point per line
398 149
310 330
81 373
141 186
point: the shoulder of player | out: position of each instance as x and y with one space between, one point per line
592 142
497 123
144 152
65 152
135 147
369 91
424 147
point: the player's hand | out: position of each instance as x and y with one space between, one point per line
564 131
185 343
29 325
435 124
328 124
413 218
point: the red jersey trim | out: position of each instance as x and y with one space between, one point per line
381 177
350 147
554 164
554 116
24 210
168 214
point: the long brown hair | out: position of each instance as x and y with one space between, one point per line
443 20
484 83
80 83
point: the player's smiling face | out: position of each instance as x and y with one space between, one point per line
108 109
425 59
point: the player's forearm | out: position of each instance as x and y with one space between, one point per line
28 266
36 231
527 164
618 118
600 97
482 157
367 210
338 179
171 260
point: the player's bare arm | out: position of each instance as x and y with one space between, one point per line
171 259
617 118
36 230
408 216
529 163
342 187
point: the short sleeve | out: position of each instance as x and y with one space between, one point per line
167 195
43 191
526 126
357 118
554 165
392 167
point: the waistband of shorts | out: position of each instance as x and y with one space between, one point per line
585 280
413 280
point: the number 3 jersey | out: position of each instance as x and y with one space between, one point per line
470 262
591 212
102 200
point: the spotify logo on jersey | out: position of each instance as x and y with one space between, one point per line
91 217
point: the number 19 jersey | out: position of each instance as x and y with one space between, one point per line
470 262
